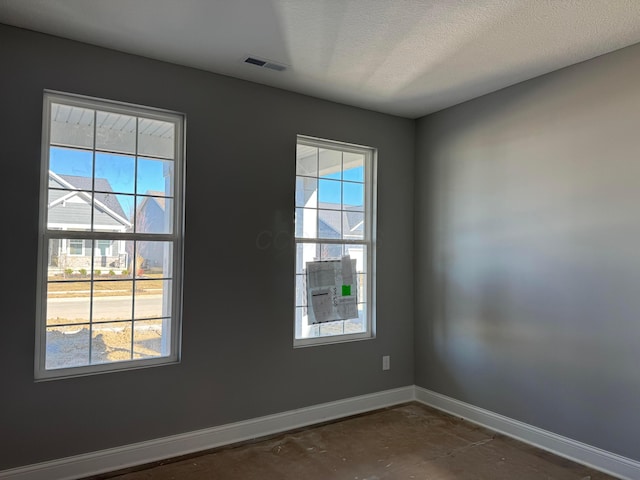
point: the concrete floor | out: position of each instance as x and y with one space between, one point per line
404 442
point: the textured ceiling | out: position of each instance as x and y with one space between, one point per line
404 57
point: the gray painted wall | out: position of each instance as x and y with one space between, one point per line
527 243
238 361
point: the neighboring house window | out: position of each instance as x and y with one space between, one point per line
76 247
109 272
103 248
334 223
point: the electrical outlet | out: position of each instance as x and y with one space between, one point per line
386 362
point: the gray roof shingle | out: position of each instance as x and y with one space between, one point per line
104 192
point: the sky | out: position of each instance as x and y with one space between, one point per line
344 187
329 192
119 170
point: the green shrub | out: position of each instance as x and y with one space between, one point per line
68 271
83 271
112 273
97 272
125 271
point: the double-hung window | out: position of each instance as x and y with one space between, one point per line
334 236
110 253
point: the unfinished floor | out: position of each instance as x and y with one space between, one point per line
409 441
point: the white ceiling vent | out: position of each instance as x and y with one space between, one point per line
258 62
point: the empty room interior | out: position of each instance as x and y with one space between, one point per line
241 219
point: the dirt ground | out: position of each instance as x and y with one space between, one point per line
75 345
110 342
78 286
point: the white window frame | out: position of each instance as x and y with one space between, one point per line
172 347
369 240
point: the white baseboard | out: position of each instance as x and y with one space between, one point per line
84 465
602 460
94 463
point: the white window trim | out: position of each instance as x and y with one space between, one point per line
370 209
40 371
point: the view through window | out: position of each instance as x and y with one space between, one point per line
110 253
334 228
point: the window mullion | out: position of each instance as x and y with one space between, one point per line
134 260
164 237
92 228
333 241
135 177
93 171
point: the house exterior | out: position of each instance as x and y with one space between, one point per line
70 208
151 218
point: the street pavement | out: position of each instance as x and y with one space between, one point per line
104 308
